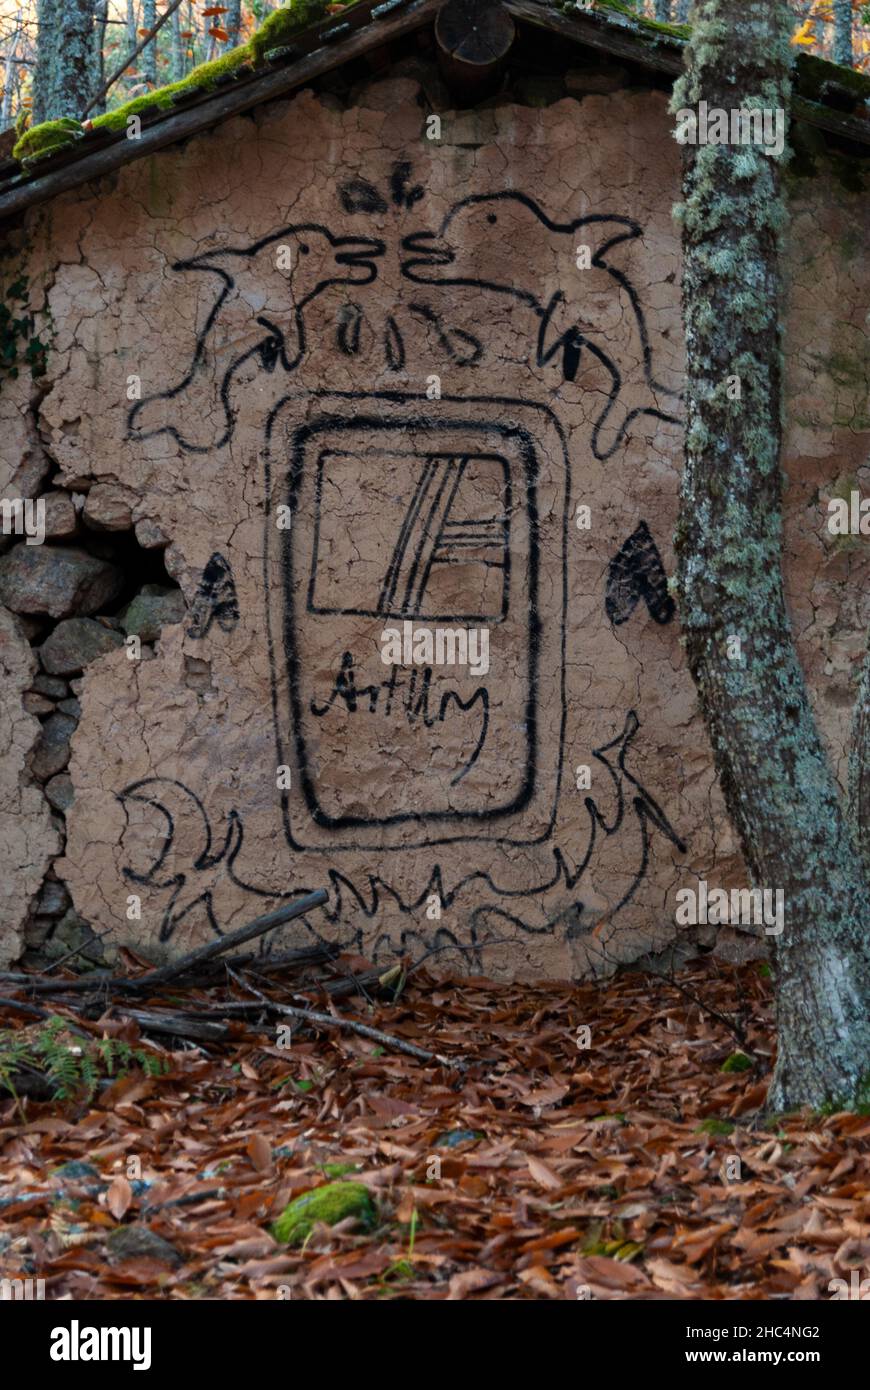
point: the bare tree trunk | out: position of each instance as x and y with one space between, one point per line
65 66
9 74
234 23
177 49
131 38
843 50
779 788
149 54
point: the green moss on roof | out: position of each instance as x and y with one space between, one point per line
817 78
815 74
201 79
45 139
633 19
276 32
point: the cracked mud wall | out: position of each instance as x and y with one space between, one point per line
346 377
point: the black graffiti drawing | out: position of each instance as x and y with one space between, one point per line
215 600
358 195
404 193
192 887
562 333
412 689
459 346
348 331
557 331
350 261
636 572
432 529
437 528
434 499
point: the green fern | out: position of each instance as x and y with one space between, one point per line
71 1068
13 1051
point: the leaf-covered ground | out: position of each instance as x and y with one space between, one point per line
636 1167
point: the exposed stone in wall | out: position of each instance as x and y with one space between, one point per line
64 606
434 815
28 837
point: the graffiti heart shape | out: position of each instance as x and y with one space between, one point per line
636 572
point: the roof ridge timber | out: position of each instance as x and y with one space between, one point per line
610 28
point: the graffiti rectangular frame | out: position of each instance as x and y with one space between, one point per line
528 441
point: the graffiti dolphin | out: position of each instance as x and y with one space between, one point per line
277 277
602 320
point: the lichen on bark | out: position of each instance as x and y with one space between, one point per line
780 790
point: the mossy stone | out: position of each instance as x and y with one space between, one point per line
333 1202
738 1061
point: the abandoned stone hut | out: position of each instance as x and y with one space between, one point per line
350 379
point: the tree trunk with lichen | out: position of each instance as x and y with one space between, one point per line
99 64
859 768
64 78
662 11
779 787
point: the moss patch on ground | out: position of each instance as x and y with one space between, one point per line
334 1202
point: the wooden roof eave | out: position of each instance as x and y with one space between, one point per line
665 54
97 155
78 166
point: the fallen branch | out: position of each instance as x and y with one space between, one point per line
162 975
176 1025
350 1025
226 943
76 951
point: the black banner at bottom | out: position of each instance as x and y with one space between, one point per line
230 1339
